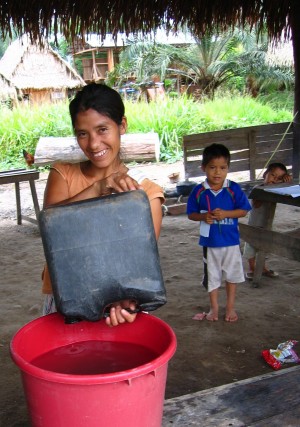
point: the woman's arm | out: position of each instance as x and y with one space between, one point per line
156 212
56 192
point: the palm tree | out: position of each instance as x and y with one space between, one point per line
208 63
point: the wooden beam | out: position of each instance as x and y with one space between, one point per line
273 242
294 18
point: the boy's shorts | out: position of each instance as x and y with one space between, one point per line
223 263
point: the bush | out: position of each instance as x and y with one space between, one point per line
171 118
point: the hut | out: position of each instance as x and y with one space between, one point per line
8 92
38 72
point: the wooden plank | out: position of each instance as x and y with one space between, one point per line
196 154
271 241
12 170
284 157
18 176
15 176
289 418
268 129
273 145
275 139
176 209
273 128
259 193
233 142
249 402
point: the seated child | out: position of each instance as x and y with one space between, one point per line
274 174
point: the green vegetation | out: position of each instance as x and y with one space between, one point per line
22 127
236 58
174 118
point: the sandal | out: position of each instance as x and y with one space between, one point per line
199 316
266 273
270 273
249 275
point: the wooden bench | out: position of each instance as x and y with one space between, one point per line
267 400
250 147
15 176
265 240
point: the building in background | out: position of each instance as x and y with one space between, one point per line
99 56
38 73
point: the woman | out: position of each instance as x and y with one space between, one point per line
98 119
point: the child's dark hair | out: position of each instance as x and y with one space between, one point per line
100 98
273 166
215 151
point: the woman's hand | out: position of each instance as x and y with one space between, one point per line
118 313
117 182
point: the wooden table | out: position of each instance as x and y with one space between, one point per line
266 240
270 400
15 176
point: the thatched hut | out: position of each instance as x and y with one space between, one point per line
38 71
279 17
8 92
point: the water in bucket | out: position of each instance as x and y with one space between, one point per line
94 358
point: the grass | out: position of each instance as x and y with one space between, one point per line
22 127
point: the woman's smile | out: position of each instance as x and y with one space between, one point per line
98 154
99 137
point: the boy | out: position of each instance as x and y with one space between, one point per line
218 203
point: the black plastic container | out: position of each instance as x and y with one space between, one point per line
100 251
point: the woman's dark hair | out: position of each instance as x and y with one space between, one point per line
273 166
215 151
100 98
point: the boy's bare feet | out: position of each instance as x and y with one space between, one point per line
212 316
231 316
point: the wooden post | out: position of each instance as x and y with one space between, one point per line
294 17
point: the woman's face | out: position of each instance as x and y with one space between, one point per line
274 176
99 137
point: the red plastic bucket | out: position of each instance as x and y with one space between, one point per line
128 393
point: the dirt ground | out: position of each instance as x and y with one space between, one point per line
209 354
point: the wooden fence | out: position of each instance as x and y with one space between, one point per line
250 147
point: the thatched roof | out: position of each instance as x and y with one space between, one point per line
7 89
77 17
30 66
121 40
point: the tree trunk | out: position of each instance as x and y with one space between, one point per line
135 147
